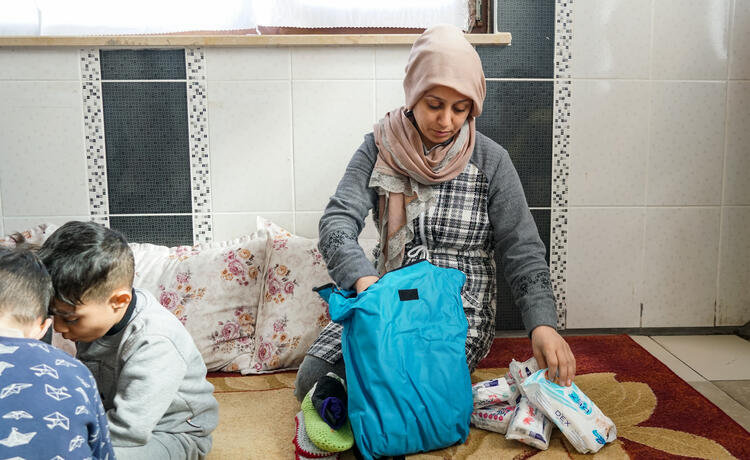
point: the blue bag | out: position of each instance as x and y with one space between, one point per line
403 343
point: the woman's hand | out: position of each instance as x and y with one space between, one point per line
363 283
552 351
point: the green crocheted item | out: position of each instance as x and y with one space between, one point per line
321 434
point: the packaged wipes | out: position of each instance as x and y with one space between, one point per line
579 419
493 418
520 371
529 425
493 392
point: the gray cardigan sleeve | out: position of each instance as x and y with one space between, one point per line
520 248
344 219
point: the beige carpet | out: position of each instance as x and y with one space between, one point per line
256 421
658 416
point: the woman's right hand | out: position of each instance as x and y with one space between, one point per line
363 283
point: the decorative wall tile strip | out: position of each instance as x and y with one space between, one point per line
200 175
561 154
93 123
202 228
558 261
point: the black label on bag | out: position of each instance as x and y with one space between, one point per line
408 294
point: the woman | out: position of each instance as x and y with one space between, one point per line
440 190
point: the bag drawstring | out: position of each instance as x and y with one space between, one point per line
421 250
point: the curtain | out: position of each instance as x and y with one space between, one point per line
125 17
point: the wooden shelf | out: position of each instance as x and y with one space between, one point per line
502 38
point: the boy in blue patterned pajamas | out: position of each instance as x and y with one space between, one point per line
152 376
49 403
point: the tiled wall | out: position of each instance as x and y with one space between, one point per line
638 127
660 164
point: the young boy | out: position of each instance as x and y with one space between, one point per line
49 403
151 375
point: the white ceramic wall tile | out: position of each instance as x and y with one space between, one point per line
739 61
333 63
251 145
611 38
608 142
330 121
737 169
247 63
734 274
690 39
228 226
39 64
43 161
681 258
687 143
307 226
389 94
19 224
605 250
390 61
715 357
307 223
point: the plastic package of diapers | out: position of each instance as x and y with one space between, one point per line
529 425
493 418
520 371
579 419
493 392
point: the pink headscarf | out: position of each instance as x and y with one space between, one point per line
403 175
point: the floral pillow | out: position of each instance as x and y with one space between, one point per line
35 235
290 313
213 289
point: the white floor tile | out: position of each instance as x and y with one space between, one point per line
724 402
715 357
659 352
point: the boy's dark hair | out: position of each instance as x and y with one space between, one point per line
87 261
25 285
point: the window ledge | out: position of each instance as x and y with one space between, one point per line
501 38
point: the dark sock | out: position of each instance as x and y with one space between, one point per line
329 399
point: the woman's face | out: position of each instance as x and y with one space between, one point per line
440 114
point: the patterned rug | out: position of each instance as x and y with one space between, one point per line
658 416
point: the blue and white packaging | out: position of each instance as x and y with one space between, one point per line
579 419
493 392
493 418
520 371
529 425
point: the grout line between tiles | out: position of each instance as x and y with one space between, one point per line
678 359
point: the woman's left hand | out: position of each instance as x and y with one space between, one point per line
552 351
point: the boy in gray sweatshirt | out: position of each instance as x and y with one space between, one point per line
151 375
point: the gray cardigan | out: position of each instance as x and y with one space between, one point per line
514 234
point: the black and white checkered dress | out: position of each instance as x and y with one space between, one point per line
462 230
457 231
